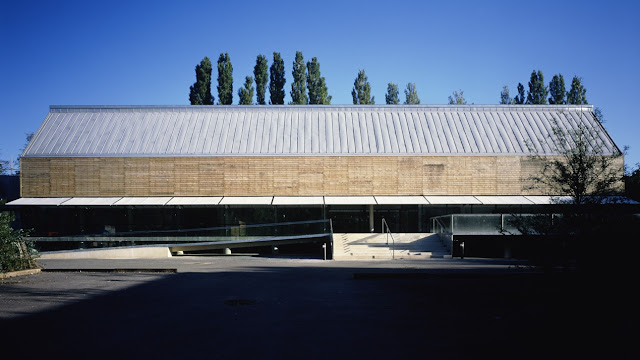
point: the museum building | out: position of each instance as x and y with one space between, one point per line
117 169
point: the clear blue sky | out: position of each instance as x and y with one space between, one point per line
139 52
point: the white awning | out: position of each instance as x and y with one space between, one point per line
91 201
504 200
246 200
157 201
195 200
39 201
349 200
401 200
452 200
297 200
546 200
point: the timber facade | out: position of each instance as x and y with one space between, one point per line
277 176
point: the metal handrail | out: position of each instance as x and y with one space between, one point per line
393 241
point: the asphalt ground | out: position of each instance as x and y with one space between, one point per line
287 308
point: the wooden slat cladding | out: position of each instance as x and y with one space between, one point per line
285 176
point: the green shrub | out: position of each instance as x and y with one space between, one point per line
16 253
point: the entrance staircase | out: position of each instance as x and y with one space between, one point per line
373 246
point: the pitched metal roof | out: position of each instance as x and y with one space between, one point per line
333 130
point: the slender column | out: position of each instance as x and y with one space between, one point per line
371 218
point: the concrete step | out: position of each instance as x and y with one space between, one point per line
368 246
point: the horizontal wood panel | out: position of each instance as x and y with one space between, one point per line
284 176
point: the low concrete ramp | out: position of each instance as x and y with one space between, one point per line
129 252
368 246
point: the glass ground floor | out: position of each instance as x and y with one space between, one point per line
55 221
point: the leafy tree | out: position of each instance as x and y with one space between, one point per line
504 96
457 98
225 80
361 91
519 99
15 252
200 91
576 94
4 166
583 170
392 96
276 80
260 73
318 93
246 92
299 85
581 181
411 95
632 183
537 90
556 90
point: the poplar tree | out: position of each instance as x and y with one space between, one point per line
537 90
200 91
577 93
411 95
225 80
519 99
246 92
504 96
276 80
299 85
392 96
260 74
457 98
556 90
361 91
318 93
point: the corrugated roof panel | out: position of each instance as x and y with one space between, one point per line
304 130
315 132
447 132
322 133
478 133
379 134
494 136
307 120
506 133
435 134
357 133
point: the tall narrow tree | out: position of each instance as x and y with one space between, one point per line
200 91
260 73
537 90
276 80
299 85
318 93
557 90
457 98
246 92
361 91
392 96
411 95
577 93
505 99
519 99
225 80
